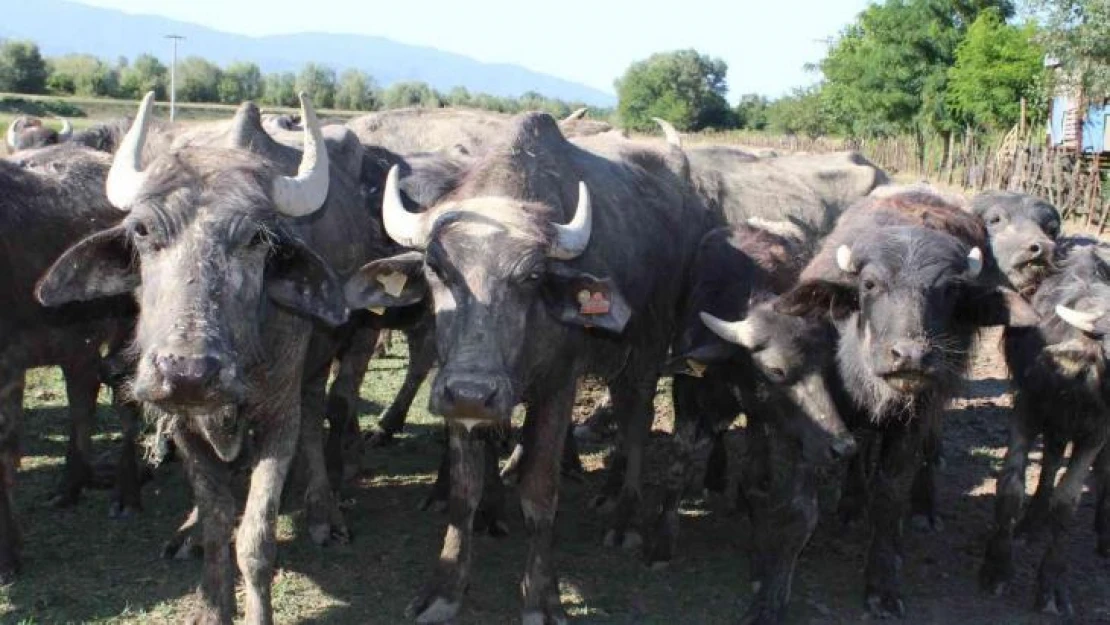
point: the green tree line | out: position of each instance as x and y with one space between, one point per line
916 67
23 69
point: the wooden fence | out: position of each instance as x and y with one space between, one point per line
1077 185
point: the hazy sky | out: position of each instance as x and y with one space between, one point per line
765 42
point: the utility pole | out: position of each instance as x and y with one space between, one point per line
173 75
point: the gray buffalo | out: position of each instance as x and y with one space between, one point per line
233 255
546 262
25 133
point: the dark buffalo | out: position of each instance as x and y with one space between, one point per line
775 368
25 133
899 277
524 306
1061 393
51 199
237 253
1022 229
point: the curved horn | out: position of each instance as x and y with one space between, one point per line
844 259
402 226
571 240
669 132
125 179
306 192
66 133
13 129
576 114
974 262
1083 320
738 332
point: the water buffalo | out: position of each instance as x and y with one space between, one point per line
777 369
28 132
233 253
1022 229
51 199
899 277
1061 393
524 305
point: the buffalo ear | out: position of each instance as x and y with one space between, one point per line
997 306
693 362
818 297
580 299
299 279
100 265
388 282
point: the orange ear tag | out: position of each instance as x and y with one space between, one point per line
592 303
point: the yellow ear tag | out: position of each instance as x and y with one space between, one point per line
377 310
697 369
393 282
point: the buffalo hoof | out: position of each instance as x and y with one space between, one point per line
926 524
431 607
604 504
886 604
1054 598
550 616
379 438
625 539
123 512
325 534
761 614
202 615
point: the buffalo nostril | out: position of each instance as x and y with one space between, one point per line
1036 250
897 354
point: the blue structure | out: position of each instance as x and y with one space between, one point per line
1063 127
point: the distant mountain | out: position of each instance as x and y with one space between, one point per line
61 27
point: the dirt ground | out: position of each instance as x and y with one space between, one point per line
83 567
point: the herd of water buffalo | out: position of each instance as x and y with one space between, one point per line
214 274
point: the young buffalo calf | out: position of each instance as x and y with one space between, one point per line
1062 393
900 278
775 367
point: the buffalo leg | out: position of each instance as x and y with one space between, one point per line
82 385
924 491
632 399
1052 591
440 599
1102 501
899 458
856 489
998 562
127 496
545 432
422 357
343 452
255 542
441 488
11 423
782 500
325 520
1035 521
211 482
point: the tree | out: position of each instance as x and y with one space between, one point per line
22 69
198 80
240 82
459 96
683 87
803 112
997 65
751 112
83 75
280 89
145 74
319 82
412 93
1077 34
356 91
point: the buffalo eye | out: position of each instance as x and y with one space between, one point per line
868 285
258 239
532 276
776 374
994 220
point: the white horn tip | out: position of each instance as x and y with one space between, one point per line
844 259
1083 320
975 261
